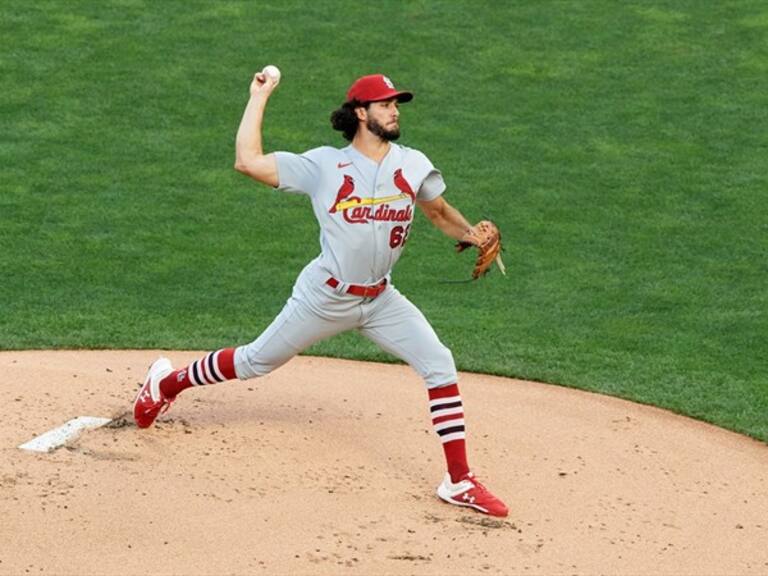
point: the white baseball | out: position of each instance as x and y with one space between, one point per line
273 71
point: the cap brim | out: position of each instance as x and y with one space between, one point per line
401 96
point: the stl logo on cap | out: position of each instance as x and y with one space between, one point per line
388 82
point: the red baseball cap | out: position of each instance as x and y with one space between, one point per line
374 88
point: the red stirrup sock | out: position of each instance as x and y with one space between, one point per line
447 414
212 368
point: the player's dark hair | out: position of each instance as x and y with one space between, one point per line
345 120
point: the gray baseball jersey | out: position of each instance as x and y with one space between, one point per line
364 209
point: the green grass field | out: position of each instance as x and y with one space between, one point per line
621 147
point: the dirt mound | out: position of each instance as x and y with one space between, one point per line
330 467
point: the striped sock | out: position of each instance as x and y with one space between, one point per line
447 414
212 368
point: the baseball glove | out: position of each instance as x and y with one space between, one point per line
487 238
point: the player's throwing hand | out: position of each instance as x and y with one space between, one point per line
263 83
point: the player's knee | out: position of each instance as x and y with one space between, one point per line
441 369
251 363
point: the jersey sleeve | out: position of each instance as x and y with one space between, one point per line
432 183
298 173
432 186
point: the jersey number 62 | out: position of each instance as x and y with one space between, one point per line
399 236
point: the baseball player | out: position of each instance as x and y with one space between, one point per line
363 196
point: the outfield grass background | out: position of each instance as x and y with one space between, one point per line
621 147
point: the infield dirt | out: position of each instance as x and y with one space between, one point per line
330 466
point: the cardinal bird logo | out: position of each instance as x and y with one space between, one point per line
403 186
345 190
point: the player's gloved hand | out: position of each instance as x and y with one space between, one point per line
486 237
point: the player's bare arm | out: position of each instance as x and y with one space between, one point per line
250 158
445 217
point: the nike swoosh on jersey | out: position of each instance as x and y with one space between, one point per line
343 165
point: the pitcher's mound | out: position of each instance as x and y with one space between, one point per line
330 467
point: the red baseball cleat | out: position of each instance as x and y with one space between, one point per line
150 402
469 492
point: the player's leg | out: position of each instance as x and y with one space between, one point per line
400 328
293 330
298 326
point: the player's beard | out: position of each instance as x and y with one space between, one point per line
388 135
